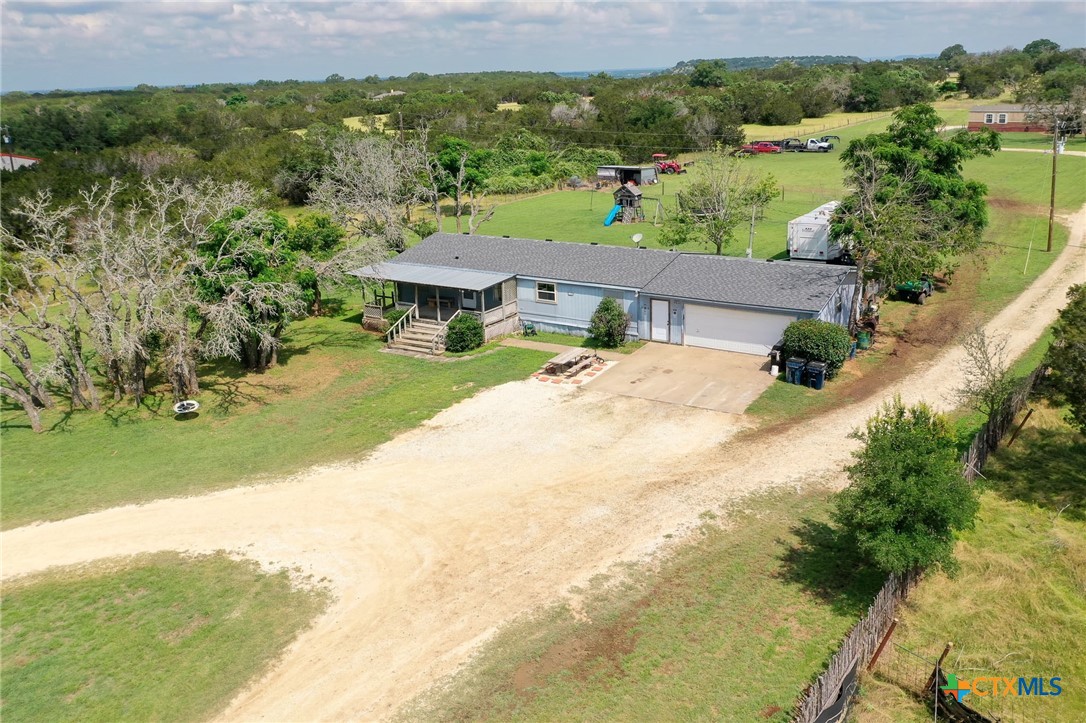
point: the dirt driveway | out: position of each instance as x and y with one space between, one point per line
495 506
704 378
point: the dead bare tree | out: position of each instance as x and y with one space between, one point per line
366 184
123 276
987 383
475 208
428 173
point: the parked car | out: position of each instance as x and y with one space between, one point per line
759 147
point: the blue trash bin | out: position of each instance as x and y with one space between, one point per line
816 374
793 370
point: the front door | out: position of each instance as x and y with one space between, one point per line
661 318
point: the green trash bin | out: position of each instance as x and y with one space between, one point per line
863 339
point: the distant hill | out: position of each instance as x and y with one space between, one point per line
766 61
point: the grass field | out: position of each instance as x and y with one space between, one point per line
334 396
1017 607
729 628
831 123
158 637
1018 181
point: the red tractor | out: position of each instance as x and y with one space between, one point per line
665 166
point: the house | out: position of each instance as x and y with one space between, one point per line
639 175
1004 118
12 162
389 94
727 303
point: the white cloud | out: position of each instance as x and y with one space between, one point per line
66 44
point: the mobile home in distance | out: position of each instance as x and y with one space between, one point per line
809 236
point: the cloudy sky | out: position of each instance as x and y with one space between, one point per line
48 45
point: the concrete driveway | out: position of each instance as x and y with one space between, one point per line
718 380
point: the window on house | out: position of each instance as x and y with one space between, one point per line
1002 118
989 117
546 292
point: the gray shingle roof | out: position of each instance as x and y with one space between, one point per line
790 285
555 260
747 282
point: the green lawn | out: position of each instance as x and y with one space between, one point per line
335 396
586 342
1017 606
159 637
732 627
1019 181
1040 142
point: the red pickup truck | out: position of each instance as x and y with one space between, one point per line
759 147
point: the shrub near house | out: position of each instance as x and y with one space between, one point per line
464 334
609 323
816 340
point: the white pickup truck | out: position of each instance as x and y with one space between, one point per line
811 145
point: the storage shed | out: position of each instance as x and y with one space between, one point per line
640 175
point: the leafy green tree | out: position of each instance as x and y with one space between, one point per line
716 202
950 53
609 323
316 238
907 496
263 277
909 210
710 74
1040 47
1066 358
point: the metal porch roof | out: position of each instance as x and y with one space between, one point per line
443 276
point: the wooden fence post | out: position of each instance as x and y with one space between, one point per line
939 665
1015 435
885 639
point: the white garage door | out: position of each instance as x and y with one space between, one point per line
750 332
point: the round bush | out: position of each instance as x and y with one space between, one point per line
816 340
609 323
464 333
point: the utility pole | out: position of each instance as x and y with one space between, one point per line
750 242
1052 198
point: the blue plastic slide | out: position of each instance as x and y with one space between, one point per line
611 216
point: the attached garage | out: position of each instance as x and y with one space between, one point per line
749 332
742 305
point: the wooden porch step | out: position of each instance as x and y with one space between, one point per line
423 347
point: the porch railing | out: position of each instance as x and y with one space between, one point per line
439 337
402 323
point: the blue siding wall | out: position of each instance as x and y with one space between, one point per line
840 304
574 308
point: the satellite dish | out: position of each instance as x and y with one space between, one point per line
636 238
